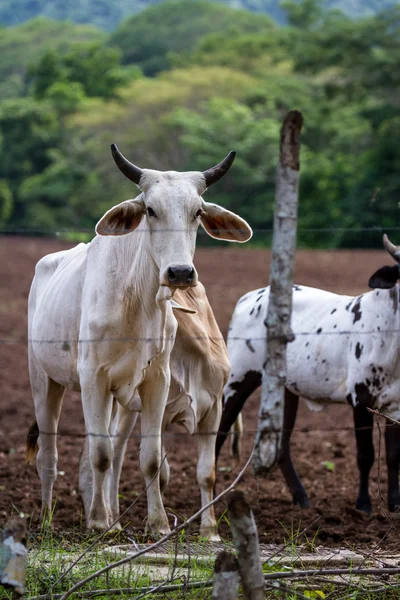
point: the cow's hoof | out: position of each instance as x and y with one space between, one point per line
210 535
301 499
115 528
364 505
157 532
97 525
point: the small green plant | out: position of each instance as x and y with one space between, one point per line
328 465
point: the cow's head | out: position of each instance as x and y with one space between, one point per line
169 211
387 277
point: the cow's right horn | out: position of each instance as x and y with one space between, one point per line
391 248
130 170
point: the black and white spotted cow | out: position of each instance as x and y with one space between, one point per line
346 350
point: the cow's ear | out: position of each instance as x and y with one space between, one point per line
121 219
223 224
384 278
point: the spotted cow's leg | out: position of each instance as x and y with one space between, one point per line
296 488
234 404
392 441
363 425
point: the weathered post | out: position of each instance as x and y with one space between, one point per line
279 333
226 577
13 555
245 536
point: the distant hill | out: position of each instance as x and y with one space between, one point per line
147 39
108 14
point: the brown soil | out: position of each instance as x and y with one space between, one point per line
227 273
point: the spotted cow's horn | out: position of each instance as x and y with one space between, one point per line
130 170
215 173
391 248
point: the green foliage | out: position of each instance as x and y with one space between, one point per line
25 44
89 69
305 15
220 80
6 201
175 26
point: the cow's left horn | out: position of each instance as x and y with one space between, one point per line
215 173
127 168
391 248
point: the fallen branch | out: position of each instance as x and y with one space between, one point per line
378 413
129 591
323 572
161 541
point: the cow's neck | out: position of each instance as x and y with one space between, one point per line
131 279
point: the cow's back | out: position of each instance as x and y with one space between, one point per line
54 310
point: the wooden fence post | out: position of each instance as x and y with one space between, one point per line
226 577
245 536
13 555
279 333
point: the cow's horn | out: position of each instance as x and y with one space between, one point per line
127 168
215 173
391 248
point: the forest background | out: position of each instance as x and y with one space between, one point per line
177 85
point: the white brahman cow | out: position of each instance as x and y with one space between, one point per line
346 350
101 321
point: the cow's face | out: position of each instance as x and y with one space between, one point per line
169 212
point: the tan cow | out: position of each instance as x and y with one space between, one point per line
199 370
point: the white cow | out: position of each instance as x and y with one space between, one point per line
101 320
346 350
199 370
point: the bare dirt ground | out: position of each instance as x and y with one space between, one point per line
227 273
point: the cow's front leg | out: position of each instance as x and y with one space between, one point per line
363 424
97 407
392 442
121 428
154 392
207 435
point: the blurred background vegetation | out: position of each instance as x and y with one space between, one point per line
177 84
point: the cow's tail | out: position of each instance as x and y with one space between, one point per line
32 443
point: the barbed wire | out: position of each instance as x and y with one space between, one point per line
185 434
68 230
245 339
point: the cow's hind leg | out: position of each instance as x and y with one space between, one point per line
296 488
47 397
392 441
207 433
363 426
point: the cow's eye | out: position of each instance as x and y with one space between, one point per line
151 212
199 213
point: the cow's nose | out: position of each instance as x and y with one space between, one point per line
180 275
